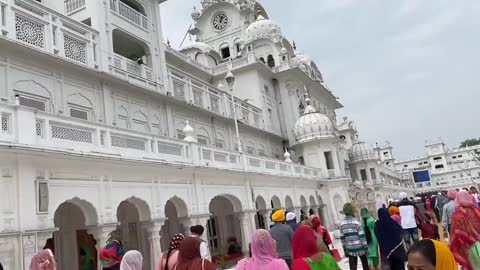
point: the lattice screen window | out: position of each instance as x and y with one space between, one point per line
250 150
5 122
178 89
29 31
72 134
33 102
39 128
261 153
171 149
214 103
198 97
75 49
128 142
80 113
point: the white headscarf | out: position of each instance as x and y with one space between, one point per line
132 260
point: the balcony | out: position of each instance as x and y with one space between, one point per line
37 26
36 130
132 67
72 6
129 13
198 93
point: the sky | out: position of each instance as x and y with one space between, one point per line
406 71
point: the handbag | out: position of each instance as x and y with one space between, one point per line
474 255
335 254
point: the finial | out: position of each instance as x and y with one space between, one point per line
307 96
168 43
287 156
294 45
189 132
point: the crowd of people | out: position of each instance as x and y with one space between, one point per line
388 242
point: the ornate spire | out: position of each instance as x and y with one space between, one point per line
189 133
294 45
287 156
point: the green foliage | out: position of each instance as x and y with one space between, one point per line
222 256
470 142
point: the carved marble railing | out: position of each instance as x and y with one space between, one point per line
129 13
29 128
132 67
35 25
73 5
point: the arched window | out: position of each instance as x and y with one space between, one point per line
156 126
203 137
80 107
271 61
220 140
122 117
140 121
250 148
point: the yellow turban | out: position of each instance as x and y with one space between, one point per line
278 216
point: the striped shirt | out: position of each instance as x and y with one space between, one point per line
353 237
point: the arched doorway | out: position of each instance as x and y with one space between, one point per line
275 203
131 214
175 212
288 204
72 242
260 221
224 223
313 205
303 205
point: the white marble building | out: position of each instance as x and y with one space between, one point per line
105 128
448 168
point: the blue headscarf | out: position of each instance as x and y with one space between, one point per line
389 233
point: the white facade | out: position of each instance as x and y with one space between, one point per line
106 130
448 168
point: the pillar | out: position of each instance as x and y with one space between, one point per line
153 233
266 218
247 219
101 235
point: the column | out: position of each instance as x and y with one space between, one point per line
153 232
247 220
266 218
101 235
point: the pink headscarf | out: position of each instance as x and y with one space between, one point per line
43 260
464 199
132 260
452 194
263 254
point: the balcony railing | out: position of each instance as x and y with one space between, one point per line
73 5
33 24
129 13
61 133
132 67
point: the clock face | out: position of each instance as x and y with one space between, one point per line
220 21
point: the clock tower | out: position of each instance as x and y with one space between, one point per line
221 23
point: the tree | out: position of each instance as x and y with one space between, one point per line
470 142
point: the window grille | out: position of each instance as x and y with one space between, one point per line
72 134
179 89
78 113
29 31
40 105
75 49
5 122
128 142
171 149
198 97
39 128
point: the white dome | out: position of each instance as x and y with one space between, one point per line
361 151
301 58
313 125
263 28
205 48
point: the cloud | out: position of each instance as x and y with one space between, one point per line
406 71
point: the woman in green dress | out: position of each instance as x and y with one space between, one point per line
368 223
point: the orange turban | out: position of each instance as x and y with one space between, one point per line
393 210
278 216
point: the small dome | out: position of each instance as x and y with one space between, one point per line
205 48
301 58
195 14
283 50
313 125
263 28
361 151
